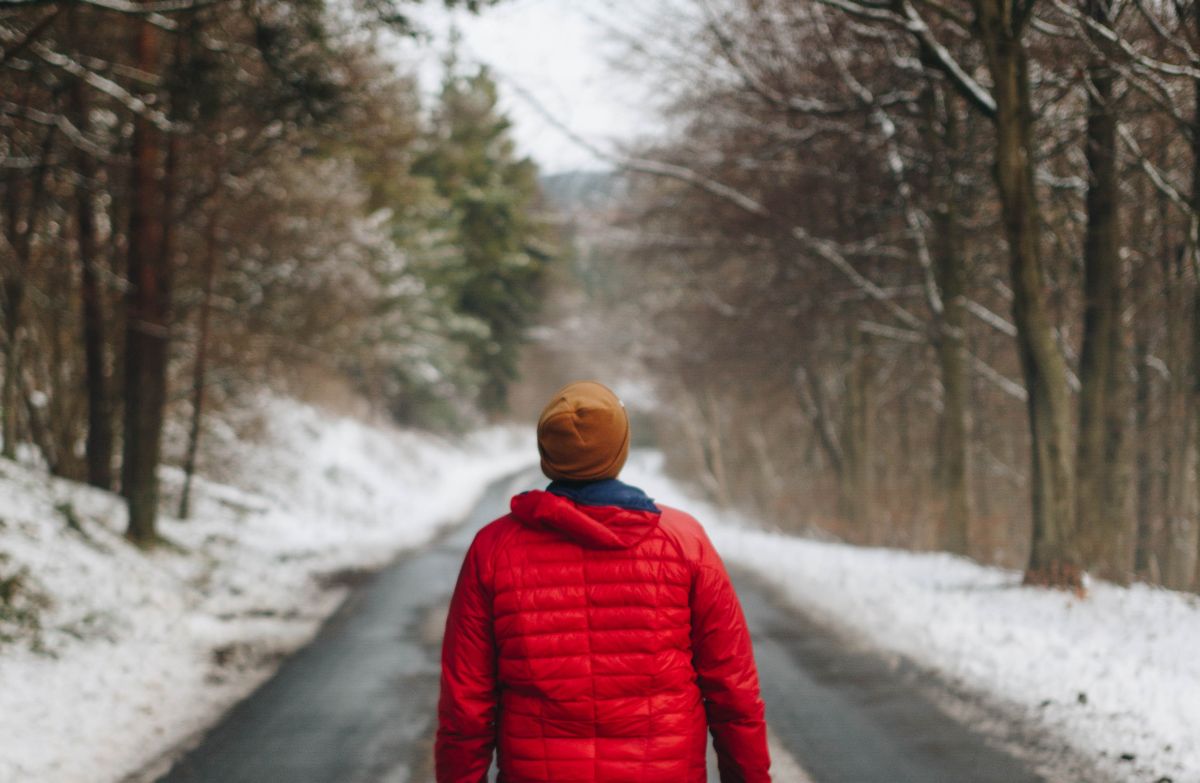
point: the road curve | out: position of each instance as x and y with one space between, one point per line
357 705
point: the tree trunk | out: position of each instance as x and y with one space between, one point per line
1146 564
147 313
99 445
716 450
1053 559
1195 253
200 371
856 479
1179 534
954 425
698 436
20 239
1104 529
1195 420
14 294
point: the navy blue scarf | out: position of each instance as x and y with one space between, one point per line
605 492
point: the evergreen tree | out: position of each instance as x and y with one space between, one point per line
490 194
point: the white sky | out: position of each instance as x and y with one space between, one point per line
560 51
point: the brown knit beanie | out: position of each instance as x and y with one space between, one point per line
583 433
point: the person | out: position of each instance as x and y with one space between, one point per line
594 635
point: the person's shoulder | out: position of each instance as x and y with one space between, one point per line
495 532
685 531
489 541
678 520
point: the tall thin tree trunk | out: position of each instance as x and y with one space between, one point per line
954 425
716 449
99 444
1053 559
148 305
200 370
857 478
1104 528
20 230
1145 554
1179 530
1195 255
811 394
1195 416
14 296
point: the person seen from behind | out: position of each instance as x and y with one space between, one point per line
594 635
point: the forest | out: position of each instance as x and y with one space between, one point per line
924 274
914 273
204 197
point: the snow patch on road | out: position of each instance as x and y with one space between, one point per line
140 651
1116 673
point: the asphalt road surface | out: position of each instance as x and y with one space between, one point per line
358 704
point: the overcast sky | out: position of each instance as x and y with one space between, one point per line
560 51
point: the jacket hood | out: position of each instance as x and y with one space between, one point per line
599 526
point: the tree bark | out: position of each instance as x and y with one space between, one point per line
1146 563
1105 530
954 426
20 238
857 478
1195 254
1195 417
1178 540
1053 559
99 444
716 450
200 370
147 314
14 295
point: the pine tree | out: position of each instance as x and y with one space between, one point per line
490 195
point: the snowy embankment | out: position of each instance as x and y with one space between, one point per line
141 651
1114 674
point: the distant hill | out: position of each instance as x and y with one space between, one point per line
576 191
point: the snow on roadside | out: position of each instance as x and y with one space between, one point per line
1115 673
143 651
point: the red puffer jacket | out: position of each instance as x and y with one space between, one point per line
596 643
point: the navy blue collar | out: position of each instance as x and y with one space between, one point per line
605 492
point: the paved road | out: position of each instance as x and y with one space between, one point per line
356 705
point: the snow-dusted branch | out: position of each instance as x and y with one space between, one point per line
998 379
1156 177
120 6
59 121
991 318
892 333
970 89
1110 35
18 44
95 80
910 20
1176 42
791 103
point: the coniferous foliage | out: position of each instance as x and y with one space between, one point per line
490 195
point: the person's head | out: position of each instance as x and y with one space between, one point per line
583 433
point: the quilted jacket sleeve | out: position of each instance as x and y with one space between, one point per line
467 706
727 675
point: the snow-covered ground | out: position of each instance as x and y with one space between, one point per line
1115 673
140 652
